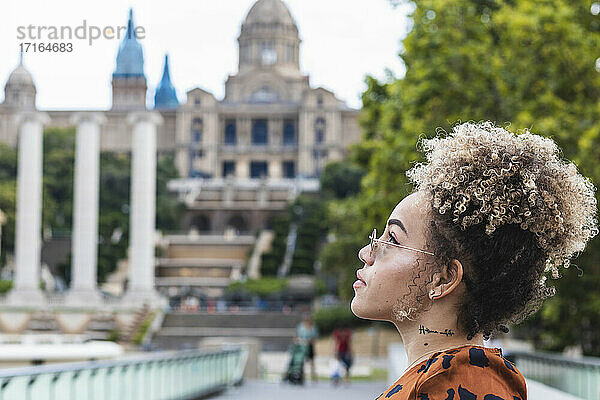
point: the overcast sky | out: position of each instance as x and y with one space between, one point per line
342 41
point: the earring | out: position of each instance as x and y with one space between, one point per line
435 293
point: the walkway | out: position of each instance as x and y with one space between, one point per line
255 389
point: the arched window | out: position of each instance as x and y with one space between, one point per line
201 223
259 169
228 168
197 127
238 223
230 132
320 130
259 132
289 132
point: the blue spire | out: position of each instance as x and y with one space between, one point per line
165 96
130 58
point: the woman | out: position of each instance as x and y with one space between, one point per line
343 350
468 253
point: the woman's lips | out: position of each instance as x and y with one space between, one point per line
360 282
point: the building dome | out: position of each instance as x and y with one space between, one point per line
165 97
20 90
20 77
130 58
269 12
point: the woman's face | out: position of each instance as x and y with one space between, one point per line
394 277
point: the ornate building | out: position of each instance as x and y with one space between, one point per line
240 159
271 122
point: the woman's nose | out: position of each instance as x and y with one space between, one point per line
365 256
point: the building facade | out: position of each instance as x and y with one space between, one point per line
271 122
241 159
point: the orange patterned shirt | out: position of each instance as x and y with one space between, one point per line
464 373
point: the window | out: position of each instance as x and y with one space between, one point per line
320 130
268 55
264 95
320 101
259 132
228 168
289 53
245 50
198 153
289 169
230 133
197 126
197 101
258 169
197 136
289 133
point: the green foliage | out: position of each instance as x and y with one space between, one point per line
5 286
330 318
272 259
143 328
114 335
341 179
261 287
530 64
58 167
310 214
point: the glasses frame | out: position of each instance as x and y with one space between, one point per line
375 242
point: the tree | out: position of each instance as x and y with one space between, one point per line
530 64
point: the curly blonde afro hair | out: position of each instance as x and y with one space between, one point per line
510 209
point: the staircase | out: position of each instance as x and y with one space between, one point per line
186 330
138 320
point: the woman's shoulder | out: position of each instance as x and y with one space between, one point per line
472 372
465 373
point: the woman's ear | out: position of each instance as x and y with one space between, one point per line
447 280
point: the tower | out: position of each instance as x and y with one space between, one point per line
20 91
128 80
269 65
165 97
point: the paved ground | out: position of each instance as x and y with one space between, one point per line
253 390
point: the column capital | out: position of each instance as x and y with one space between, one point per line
32 116
145 116
85 116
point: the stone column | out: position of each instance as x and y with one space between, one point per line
142 209
275 168
28 234
84 240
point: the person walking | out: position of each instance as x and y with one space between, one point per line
307 333
343 350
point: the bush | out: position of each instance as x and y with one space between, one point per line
5 286
328 319
261 287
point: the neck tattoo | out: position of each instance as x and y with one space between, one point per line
425 331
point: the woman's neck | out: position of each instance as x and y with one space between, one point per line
424 338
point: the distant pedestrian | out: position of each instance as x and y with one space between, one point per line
307 333
343 349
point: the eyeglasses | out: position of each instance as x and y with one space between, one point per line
375 241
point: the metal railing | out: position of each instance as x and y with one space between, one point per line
159 376
577 376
